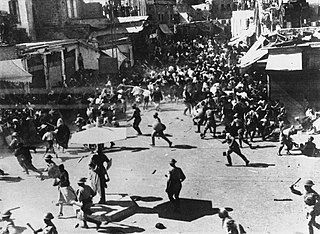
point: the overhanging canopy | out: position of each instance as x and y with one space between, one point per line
254 53
285 62
165 29
116 53
13 71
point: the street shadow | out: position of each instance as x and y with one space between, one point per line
191 209
263 146
149 135
119 230
129 137
123 148
67 217
146 199
146 134
127 203
100 208
10 179
256 165
184 146
19 229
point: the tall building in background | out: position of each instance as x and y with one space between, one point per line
22 13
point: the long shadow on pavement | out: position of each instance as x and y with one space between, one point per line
263 146
10 179
257 165
119 230
184 146
132 149
191 209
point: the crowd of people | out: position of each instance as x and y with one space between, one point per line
201 72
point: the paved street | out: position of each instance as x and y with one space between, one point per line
258 195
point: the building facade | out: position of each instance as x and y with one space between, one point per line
161 11
22 13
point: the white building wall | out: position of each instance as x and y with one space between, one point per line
240 21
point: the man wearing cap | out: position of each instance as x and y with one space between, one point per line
48 137
312 205
233 147
7 225
174 184
97 165
52 168
50 228
229 224
137 118
158 129
84 198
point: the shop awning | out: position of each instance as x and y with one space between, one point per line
285 62
165 29
13 71
116 53
254 53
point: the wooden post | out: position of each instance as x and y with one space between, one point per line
45 68
63 69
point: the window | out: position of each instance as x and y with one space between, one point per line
72 8
14 10
222 7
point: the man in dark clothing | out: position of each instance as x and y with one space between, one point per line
50 228
158 129
309 148
84 197
157 98
137 118
312 204
97 164
233 147
174 184
25 159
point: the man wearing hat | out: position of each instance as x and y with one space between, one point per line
84 198
233 147
48 137
7 225
309 148
312 204
50 228
137 118
158 129
229 224
174 184
52 168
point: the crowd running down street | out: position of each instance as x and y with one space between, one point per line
203 73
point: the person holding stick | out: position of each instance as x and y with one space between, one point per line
50 228
312 205
7 225
84 201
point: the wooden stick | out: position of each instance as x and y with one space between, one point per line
29 225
